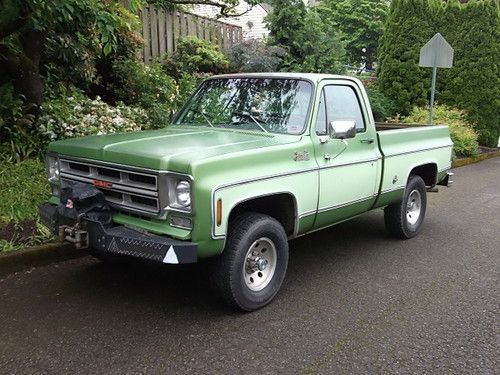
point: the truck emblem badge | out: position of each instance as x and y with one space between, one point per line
69 203
301 156
102 184
395 179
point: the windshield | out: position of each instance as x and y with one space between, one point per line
263 104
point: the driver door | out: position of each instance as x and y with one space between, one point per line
349 169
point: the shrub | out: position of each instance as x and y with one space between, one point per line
25 186
11 110
382 106
75 115
253 55
195 55
462 133
17 139
147 86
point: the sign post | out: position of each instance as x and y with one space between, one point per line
436 53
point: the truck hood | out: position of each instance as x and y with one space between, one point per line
173 148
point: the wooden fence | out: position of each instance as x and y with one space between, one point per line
161 29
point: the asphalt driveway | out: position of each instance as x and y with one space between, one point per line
354 301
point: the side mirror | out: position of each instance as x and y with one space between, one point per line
342 129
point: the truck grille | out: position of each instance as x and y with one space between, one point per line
125 189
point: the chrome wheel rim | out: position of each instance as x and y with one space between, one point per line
260 264
413 207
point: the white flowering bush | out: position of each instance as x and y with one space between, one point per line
76 115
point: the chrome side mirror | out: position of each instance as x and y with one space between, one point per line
342 129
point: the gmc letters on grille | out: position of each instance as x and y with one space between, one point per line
127 190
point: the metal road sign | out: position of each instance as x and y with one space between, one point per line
436 53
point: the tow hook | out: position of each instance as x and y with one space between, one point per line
74 235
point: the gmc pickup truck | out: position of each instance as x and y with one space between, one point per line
250 162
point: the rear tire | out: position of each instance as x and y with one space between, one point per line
250 271
404 219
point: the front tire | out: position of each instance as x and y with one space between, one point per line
404 219
250 271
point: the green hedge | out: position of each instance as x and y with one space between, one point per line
473 84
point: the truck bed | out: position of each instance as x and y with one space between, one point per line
406 146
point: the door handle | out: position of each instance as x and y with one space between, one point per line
368 140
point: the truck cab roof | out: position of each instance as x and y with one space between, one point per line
313 77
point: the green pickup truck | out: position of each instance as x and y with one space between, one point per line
251 161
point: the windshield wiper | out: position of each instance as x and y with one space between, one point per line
204 116
247 114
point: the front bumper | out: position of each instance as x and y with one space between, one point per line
119 239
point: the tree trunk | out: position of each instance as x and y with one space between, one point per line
23 68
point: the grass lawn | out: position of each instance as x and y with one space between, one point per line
23 187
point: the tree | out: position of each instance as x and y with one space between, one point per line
254 55
410 24
322 50
361 23
27 25
473 83
32 29
227 8
309 37
285 22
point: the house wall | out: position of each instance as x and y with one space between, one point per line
251 22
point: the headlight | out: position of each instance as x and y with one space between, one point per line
53 168
179 193
183 193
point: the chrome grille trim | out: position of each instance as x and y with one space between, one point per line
95 172
116 186
131 190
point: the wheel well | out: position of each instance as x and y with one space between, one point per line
428 172
281 206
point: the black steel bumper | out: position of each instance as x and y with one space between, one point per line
118 239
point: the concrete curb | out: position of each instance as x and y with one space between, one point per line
37 256
466 161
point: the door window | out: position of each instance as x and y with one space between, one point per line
342 104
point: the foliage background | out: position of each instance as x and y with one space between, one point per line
473 84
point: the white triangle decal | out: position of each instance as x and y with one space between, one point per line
171 257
